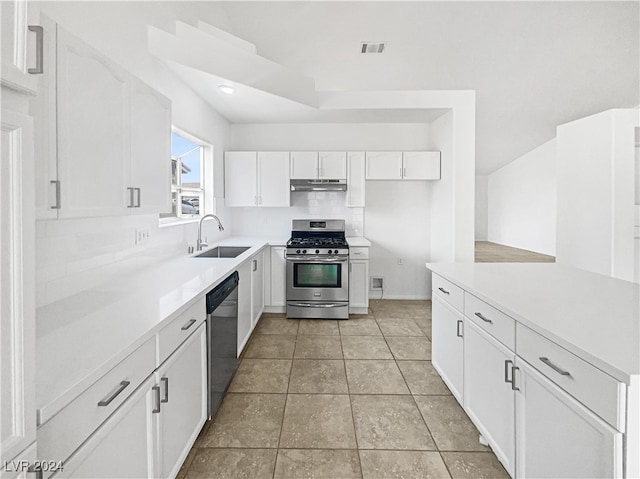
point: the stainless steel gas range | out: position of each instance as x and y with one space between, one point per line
318 270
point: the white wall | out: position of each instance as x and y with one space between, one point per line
482 207
396 218
596 184
72 255
522 201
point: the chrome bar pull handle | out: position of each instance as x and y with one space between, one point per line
507 366
560 371
130 203
444 291
156 390
254 263
486 320
39 68
137 190
513 378
122 387
189 324
57 185
166 389
458 328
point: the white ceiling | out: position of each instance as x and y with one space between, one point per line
534 65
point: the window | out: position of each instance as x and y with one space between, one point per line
187 160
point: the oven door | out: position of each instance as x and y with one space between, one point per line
317 279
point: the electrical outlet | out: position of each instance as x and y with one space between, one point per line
142 235
400 261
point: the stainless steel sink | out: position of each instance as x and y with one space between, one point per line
223 252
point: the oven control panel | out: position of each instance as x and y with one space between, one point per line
312 251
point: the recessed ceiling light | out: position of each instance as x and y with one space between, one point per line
227 89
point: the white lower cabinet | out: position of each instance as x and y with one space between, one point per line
244 305
257 287
488 391
122 447
182 402
278 275
447 345
359 281
556 436
20 467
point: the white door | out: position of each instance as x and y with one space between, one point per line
558 437
257 287
359 284
447 345
278 276
17 285
183 404
244 305
240 178
355 179
150 150
304 165
17 50
332 165
421 165
273 179
93 131
384 165
488 396
123 446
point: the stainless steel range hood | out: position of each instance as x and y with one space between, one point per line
318 185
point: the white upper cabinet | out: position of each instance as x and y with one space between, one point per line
20 59
273 178
150 149
384 165
93 131
355 179
257 178
311 165
103 136
304 165
408 165
421 165
332 165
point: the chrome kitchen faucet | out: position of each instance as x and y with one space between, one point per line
201 243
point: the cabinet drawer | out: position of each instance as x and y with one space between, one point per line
179 329
62 435
598 391
493 321
447 291
358 252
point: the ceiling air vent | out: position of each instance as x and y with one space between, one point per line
369 47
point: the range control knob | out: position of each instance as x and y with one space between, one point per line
317 251
304 251
330 251
297 251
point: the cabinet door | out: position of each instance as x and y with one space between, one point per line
332 165
384 165
93 131
278 276
16 52
240 178
488 397
273 179
421 165
358 286
123 446
44 109
257 287
17 284
183 405
447 345
150 150
244 305
304 165
355 179
19 467
558 437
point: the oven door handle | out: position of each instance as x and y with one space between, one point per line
318 305
306 259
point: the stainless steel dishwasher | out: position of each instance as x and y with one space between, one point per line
222 337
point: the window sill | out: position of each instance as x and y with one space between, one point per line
167 222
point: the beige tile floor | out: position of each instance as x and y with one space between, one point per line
338 400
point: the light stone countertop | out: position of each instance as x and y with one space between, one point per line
356 241
81 338
595 317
